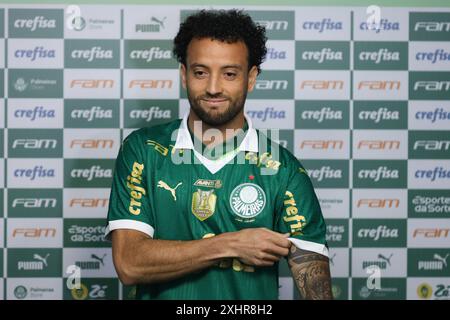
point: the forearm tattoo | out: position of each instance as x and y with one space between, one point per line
311 272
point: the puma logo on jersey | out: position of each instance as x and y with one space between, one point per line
164 185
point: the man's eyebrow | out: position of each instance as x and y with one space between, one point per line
193 65
235 66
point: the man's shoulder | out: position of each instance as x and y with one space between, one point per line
163 134
289 166
277 151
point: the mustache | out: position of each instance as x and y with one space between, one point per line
211 96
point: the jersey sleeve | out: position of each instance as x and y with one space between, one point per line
300 214
129 206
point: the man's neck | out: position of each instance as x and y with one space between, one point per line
227 130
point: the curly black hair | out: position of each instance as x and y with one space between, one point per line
229 26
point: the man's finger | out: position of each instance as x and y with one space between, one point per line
277 250
281 242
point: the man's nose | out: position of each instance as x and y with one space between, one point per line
214 85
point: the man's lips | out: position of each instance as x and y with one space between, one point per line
215 101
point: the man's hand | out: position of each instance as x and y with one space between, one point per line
258 247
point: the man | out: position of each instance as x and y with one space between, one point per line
188 221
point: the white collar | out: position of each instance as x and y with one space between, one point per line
184 141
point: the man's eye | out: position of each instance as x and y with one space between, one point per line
230 74
199 73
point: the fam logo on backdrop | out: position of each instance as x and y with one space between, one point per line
91 143
372 85
80 83
429 26
159 84
322 85
34 203
35 143
273 84
428 233
318 144
85 203
279 25
382 144
385 203
429 144
425 85
34 233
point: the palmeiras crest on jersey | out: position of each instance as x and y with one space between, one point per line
247 200
203 203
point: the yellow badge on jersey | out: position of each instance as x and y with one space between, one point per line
203 204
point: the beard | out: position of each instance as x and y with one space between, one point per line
214 118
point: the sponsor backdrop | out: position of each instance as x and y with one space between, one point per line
365 107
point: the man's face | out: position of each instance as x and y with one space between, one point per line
217 79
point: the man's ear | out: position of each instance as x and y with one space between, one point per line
183 75
252 74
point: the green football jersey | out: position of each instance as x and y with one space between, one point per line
165 187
